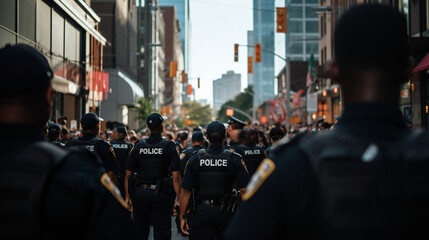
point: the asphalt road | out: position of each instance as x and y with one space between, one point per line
175 234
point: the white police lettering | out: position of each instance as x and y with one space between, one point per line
121 146
90 148
252 152
156 151
214 162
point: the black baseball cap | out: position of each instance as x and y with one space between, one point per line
121 130
216 128
155 119
197 136
238 122
23 69
90 120
62 117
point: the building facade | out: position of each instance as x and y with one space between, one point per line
119 25
226 88
302 30
263 32
182 9
66 32
172 106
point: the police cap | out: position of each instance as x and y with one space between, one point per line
197 136
54 129
154 120
237 122
23 69
90 120
216 128
122 130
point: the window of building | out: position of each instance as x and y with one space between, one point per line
294 12
312 48
322 24
295 27
325 55
43 34
27 20
296 47
57 43
309 12
7 20
311 27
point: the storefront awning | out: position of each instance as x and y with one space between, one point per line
423 64
62 85
128 91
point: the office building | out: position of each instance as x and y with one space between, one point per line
226 88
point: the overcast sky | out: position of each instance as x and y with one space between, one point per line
215 26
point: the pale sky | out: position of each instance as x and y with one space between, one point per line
215 26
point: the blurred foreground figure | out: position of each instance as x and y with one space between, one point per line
47 193
369 177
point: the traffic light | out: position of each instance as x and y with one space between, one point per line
249 64
258 55
173 69
236 52
281 20
198 82
183 77
189 90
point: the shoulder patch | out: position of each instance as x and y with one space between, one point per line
111 150
237 154
264 170
244 165
182 155
107 183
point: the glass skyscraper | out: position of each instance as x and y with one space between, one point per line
263 32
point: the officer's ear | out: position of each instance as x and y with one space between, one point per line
48 96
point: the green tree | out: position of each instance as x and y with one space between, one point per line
144 109
200 115
243 101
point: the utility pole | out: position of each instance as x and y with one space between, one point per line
287 72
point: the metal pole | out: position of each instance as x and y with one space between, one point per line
287 72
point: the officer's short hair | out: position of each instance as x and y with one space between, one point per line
248 136
372 37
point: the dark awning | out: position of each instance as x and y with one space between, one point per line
423 64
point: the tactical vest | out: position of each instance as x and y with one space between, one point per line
214 180
91 145
122 150
22 186
154 165
251 159
372 190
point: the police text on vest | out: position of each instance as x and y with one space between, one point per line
214 162
156 151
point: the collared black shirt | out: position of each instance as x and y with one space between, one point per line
286 204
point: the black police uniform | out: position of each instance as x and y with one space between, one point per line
186 155
92 143
122 149
49 193
212 173
153 159
367 179
252 156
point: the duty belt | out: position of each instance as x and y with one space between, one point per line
210 203
150 186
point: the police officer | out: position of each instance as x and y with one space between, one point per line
366 179
54 131
276 134
182 140
122 149
197 144
47 193
91 126
155 161
235 126
251 153
212 173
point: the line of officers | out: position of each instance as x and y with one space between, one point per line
200 185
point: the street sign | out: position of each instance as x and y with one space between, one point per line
312 102
229 112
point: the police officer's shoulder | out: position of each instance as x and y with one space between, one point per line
72 140
81 155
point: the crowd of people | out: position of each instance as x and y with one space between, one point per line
364 177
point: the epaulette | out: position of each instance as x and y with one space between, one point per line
237 154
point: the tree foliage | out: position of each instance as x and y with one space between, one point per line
200 115
243 101
144 109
